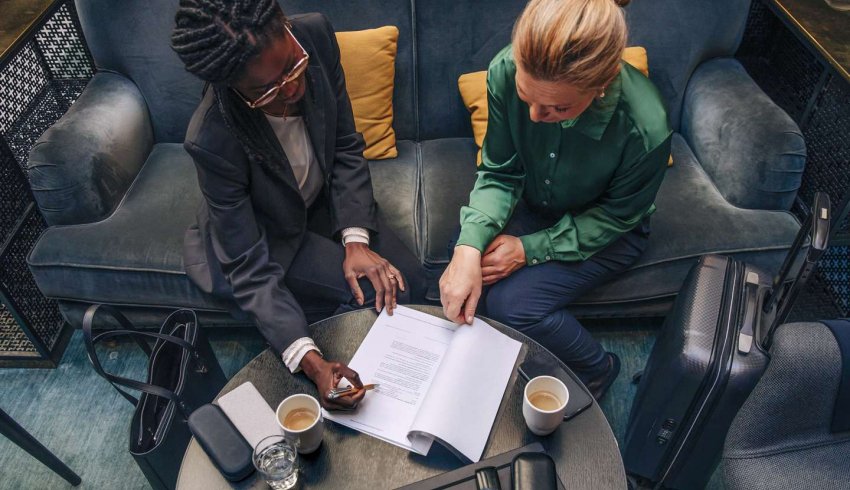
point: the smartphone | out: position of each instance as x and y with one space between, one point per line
579 400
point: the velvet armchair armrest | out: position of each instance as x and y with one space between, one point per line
751 148
80 168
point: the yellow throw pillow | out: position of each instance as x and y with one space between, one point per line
368 60
473 91
636 56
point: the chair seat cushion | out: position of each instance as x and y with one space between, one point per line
773 443
395 185
821 467
448 174
135 256
692 219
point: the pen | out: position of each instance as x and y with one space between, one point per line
348 390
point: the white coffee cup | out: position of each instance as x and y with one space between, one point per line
544 421
308 438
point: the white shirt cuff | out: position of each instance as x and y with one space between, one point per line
296 351
355 235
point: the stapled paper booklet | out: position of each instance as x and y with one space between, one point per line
437 381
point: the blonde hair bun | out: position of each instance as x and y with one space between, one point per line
574 41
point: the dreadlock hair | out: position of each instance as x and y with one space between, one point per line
214 39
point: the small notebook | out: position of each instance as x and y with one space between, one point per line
250 413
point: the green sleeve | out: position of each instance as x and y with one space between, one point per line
500 178
628 199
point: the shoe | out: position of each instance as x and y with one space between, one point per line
599 385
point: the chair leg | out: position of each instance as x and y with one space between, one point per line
17 434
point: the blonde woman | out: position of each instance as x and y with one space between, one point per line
576 148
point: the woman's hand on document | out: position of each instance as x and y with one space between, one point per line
327 375
460 285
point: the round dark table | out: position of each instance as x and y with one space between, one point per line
584 448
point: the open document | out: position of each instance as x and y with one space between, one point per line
437 380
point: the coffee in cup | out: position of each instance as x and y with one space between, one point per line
300 417
544 400
544 403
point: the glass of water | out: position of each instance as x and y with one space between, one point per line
276 458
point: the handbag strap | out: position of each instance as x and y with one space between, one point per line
137 335
88 320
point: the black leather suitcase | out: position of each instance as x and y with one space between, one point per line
710 354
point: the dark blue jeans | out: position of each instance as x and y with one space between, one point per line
535 299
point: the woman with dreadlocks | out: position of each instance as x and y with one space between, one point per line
281 168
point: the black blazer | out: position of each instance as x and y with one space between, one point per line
251 223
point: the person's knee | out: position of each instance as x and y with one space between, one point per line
494 307
504 305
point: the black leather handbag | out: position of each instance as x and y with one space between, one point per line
183 374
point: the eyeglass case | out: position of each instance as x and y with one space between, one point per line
534 471
226 448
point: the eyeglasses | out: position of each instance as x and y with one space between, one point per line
293 75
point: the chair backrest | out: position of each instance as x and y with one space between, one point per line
679 35
456 37
781 436
439 40
355 15
133 39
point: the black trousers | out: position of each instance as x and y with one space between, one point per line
316 278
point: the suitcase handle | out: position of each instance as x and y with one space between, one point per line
745 338
785 290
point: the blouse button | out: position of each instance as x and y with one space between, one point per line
545 203
548 258
547 181
551 155
533 261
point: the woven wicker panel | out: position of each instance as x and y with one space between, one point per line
38 83
41 314
13 340
14 192
835 272
816 302
783 67
762 26
21 80
827 137
46 108
61 46
796 77
789 73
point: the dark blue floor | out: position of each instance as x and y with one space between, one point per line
82 419
85 422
